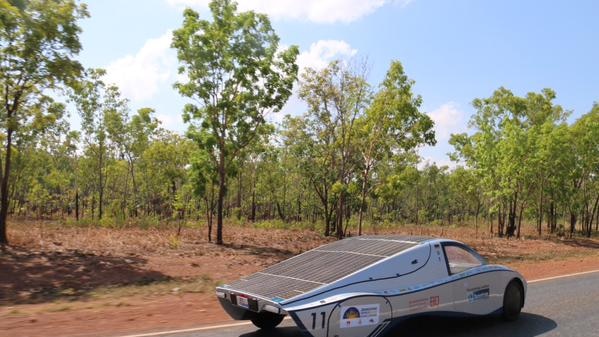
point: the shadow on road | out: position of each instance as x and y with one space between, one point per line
528 325
279 332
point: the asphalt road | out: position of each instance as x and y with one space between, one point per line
561 307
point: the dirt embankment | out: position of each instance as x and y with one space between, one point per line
100 282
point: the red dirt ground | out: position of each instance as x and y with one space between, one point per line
51 275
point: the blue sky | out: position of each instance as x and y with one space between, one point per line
455 50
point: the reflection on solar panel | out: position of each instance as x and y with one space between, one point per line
323 265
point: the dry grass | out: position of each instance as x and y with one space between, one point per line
51 262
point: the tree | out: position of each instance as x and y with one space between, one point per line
393 124
164 170
500 151
586 143
337 97
235 74
132 136
100 107
38 40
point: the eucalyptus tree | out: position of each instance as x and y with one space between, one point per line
163 171
337 96
235 74
393 124
311 143
203 177
38 42
131 136
502 147
586 142
100 106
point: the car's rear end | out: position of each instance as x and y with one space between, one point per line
242 305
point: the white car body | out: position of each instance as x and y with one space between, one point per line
360 286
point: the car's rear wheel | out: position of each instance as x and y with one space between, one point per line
512 301
267 320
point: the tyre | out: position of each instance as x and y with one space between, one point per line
512 301
267 320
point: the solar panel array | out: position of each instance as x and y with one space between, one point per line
323 265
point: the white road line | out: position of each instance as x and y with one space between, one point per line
212 327
232 325
563 276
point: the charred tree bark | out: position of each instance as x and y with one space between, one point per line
222 185
77 205
4 185
573 219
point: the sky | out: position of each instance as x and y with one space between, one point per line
455 50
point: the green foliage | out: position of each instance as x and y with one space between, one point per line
526 156
236 74
38 42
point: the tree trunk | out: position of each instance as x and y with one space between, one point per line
552 218
299 208
280 211
327 220
253 215
500 221
134 182
77 205
476 218
520 220
573 219
222 185
540 215
363 201
590 225
511 228
239 191
339 219
101 190
4 187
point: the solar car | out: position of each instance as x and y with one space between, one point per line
362 286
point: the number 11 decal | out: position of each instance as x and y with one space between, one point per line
323 316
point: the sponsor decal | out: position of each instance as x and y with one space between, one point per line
424 303
478 293
243 302
359 315
420 303
434 301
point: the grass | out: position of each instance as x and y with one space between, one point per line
200 284
60 308
118 296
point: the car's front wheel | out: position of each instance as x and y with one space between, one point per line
267 320
512 301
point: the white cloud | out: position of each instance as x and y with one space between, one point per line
139 76
448 119
322 52
320 11
318 56
170 122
